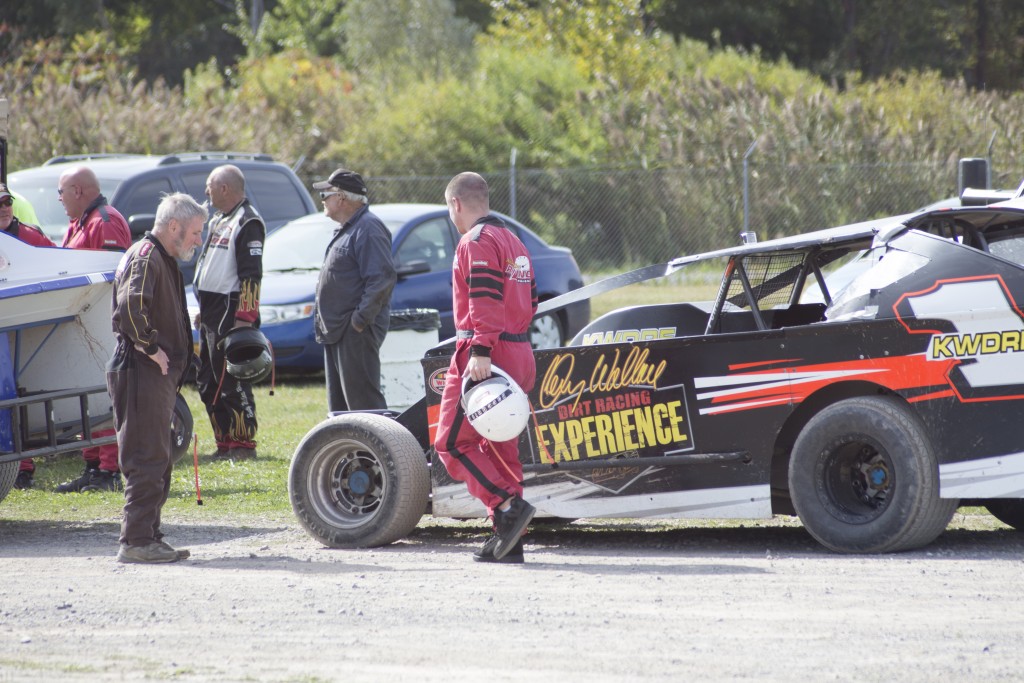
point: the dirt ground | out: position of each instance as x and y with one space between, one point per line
616 602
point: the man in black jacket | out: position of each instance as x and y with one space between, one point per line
154 349
353 295
227 285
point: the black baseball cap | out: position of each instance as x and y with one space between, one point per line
343 179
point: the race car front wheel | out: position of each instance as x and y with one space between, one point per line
864 479
359 480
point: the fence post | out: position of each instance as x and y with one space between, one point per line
746 186
512 183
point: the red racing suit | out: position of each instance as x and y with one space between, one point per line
495 297
29 234
100 227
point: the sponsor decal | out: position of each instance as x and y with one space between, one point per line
436 380
518 268
982 336
613 406
633 335
482 262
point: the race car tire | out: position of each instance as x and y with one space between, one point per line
863 478
1009 511
8 473
181 428
546 332
359 480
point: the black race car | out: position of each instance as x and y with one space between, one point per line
867 378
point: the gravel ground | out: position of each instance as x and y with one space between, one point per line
616 602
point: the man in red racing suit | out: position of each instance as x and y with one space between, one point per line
94 224
495 297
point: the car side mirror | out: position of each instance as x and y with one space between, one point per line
412 268
139 223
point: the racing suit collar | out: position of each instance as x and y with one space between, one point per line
233 209
490 219
96 203
153 238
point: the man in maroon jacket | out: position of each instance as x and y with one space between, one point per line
495 297
154 349
94 225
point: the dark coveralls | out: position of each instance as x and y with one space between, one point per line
148 312
353 310
227 285
100 227
495 297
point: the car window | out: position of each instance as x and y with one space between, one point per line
144 197
1009 249
431 242
276 198
299 245
195 184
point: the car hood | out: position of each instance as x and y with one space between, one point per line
288 287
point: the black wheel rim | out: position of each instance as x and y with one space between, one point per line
856 479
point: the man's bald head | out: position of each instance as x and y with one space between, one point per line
225 186
467 199
78 187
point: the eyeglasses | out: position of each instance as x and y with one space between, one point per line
60 192
7 201
325 195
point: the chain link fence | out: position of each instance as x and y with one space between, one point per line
614 219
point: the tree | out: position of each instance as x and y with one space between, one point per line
395 39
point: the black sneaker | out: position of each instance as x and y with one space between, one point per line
24 480
75 485
486 553
102 480
510 525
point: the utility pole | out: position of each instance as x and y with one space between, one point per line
4 114
256 15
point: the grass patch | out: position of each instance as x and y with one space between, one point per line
241 489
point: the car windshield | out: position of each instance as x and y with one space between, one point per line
300 245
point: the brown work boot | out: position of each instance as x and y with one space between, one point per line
154 553
183 553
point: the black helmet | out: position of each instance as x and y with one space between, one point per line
247 353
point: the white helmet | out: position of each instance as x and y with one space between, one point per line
496 407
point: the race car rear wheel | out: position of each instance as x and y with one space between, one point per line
1009 511
359 480
864 479
8 473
